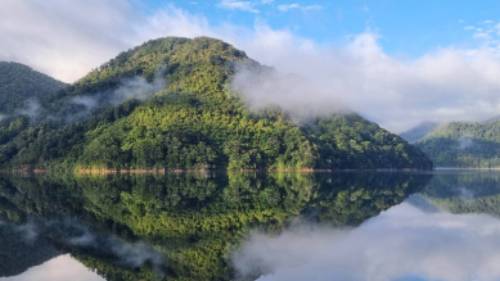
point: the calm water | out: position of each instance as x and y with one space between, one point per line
342 226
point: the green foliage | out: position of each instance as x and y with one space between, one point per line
19 83
351 142
464 145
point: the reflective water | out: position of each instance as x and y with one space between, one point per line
341 226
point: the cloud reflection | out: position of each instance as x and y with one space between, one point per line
61 268
403 243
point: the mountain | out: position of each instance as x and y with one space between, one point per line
19 83
461 144
168 104
417 133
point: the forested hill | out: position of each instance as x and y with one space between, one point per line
19 83
168 104
460 144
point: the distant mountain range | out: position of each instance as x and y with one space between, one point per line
168 104
459 144
419 132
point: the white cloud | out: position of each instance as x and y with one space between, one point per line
297 6
443 85
403 243
246 6
63 38
488 33
67 40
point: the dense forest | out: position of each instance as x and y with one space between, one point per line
460 144
168 104
20 85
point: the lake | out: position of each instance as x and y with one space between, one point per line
440 225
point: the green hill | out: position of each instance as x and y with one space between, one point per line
19 83
460 144
168 104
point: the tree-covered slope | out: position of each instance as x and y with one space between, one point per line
168 104
351 142
460 144
19 83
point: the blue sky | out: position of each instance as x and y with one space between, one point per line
407 28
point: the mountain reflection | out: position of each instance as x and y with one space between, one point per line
176 227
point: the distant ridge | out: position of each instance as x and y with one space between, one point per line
417 133
463 144
19 83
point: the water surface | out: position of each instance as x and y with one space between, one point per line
340 226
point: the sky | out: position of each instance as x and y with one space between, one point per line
398 63
407 28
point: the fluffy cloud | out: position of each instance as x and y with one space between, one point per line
404 243
62 38
66 40
443 85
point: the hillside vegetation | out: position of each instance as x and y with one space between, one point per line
461 144
19 83
168 104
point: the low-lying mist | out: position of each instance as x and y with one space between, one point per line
76 108
403 243
448 84
137 88
301 97
31 108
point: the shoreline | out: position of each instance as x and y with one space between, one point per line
205 171
172 171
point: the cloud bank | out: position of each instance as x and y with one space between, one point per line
442 86
404 243
67 40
